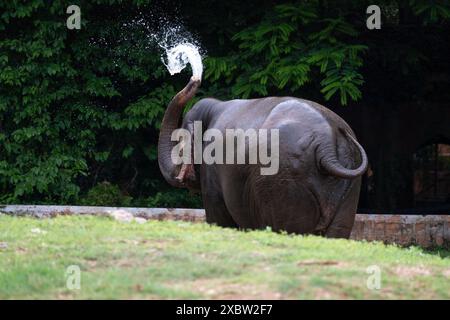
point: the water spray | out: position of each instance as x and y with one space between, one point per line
182 54
180 50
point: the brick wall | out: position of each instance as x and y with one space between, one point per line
425 231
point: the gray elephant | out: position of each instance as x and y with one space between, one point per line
315 190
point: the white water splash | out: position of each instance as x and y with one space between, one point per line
180 49
180 55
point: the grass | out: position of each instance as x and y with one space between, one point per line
173 259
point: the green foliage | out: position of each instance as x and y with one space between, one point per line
317 46
432 11
74 104
291 46
106 194
175 199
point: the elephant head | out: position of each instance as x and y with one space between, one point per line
173 174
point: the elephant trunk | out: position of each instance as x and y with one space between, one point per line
327 160
169 124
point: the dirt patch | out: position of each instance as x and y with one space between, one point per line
306 263
227 290
446 273
65 296
91 264
21 250
411 272
322 294
129 241
123 262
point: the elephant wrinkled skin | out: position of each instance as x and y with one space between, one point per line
315 191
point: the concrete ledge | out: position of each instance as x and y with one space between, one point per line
425 231
147 213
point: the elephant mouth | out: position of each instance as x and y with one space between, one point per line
186 173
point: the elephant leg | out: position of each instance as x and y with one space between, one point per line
215 208
295 209
342 224
284 204
217 213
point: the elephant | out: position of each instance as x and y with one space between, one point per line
316 188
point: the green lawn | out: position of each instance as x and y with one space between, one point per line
174 259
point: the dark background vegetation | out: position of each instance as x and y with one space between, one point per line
80 109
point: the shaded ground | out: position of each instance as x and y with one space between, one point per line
170 259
